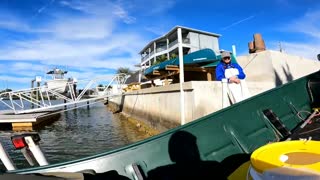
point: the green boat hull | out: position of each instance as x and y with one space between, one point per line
221 137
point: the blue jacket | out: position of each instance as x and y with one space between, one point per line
221 67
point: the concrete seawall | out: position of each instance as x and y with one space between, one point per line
276 67
159 107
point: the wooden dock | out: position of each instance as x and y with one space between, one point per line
27 121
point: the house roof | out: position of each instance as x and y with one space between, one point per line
175 29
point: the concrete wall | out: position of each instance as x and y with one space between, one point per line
159 107
275 68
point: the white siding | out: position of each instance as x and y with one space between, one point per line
208 42
201 41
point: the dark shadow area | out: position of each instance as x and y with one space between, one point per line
5 126
121 105
112 175
277 78
233 162
187 164
313 87
287 73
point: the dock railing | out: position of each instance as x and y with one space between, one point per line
41 98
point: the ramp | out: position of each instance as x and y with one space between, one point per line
41 98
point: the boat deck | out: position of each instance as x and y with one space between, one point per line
27 121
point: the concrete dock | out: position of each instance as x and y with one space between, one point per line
27 121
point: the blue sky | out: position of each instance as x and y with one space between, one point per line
95 37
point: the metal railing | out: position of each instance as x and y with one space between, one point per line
161 48
173 43
41 98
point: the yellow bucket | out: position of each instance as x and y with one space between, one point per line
289 154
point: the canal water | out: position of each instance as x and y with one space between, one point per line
78 133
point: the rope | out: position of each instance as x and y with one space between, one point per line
250 61
310 131
298 114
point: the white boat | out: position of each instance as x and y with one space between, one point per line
58 83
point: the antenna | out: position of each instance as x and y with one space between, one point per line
280 47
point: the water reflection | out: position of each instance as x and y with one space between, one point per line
79 133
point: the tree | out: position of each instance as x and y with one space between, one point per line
124 70
160 59
173 55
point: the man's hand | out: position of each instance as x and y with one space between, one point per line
234 79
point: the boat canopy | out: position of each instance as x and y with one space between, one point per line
57 71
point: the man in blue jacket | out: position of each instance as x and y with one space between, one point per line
229 70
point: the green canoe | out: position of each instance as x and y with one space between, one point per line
201 57
212 146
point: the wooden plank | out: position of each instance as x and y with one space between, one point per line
172 68
163 75
155 72
22 126
28 124
28 121
209 76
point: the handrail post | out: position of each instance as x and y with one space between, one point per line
225 99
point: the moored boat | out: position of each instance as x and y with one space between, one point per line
58 83
214 145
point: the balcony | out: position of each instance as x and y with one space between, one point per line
161 48
173 43
145 57
186 41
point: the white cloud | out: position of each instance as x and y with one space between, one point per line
155 7
304 49
121 13
84 35
73 53
11 22
11 80
307 25
81 28
101 9
158 30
